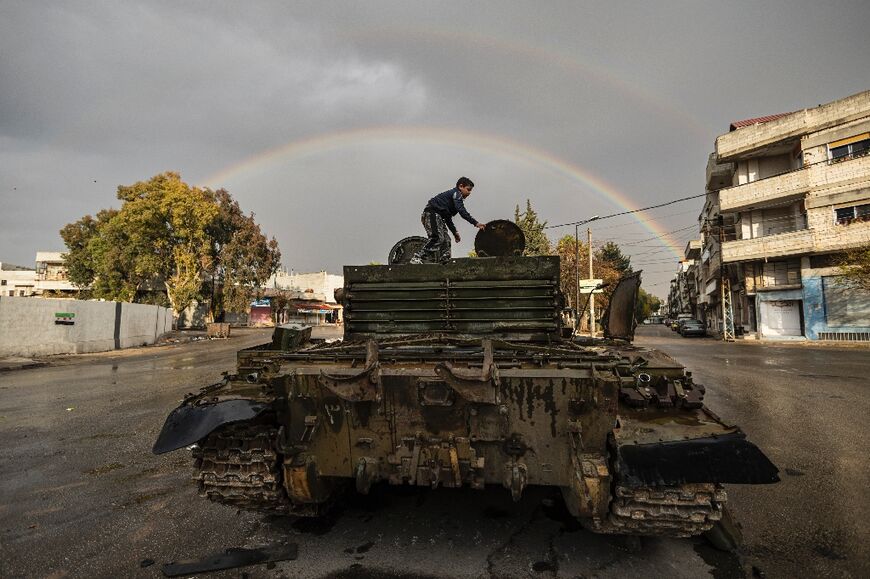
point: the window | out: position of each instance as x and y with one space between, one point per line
780 273
844 149
2 282
847 215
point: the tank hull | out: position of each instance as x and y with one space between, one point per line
457 375
443 411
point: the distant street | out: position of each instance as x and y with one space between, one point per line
81 495
806 405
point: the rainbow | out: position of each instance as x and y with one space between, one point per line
463 138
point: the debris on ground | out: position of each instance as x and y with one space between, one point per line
231 559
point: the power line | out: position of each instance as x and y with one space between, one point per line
629 212
634 222
659 236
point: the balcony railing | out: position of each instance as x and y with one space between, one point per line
792 183
793 243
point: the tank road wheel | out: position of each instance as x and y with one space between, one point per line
239 465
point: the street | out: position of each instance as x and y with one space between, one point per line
82 495
806 407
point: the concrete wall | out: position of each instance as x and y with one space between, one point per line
28 326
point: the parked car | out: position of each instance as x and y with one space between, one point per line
692 327
675 324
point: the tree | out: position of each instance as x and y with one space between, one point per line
647 304
77 236
855 266
537 242
167 232
243 257
611 254
567 251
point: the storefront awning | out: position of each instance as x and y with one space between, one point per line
312 307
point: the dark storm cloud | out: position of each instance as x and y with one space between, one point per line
99 94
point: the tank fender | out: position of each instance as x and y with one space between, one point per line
188 424
728 458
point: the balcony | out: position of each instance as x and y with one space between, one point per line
794 184
758 193
693 249
718 174
793 243
750 141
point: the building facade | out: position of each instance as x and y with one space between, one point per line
48 279
51 275
17 280
799 195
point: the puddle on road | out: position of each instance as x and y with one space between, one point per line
725 565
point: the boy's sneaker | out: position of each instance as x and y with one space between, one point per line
416 260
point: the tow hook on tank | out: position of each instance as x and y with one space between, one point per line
516 479
366 474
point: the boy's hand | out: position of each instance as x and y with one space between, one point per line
456 237
481 226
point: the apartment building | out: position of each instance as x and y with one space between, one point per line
682 294
799 195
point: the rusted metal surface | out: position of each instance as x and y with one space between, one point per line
507 297
416 394
238 465
290 336
618 320
500 238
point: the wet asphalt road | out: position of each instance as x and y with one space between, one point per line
81 495
807 407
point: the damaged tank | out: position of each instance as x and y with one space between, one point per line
458 375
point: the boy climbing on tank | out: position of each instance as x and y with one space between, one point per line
438 217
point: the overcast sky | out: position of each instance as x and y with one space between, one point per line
335 122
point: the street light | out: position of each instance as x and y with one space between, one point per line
577 270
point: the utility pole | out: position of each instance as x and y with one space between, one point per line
591 295
725 298
577 269
577 280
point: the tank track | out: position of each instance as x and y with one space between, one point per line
238 465
678 511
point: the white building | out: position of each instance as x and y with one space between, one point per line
51 275
17 280
321 284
